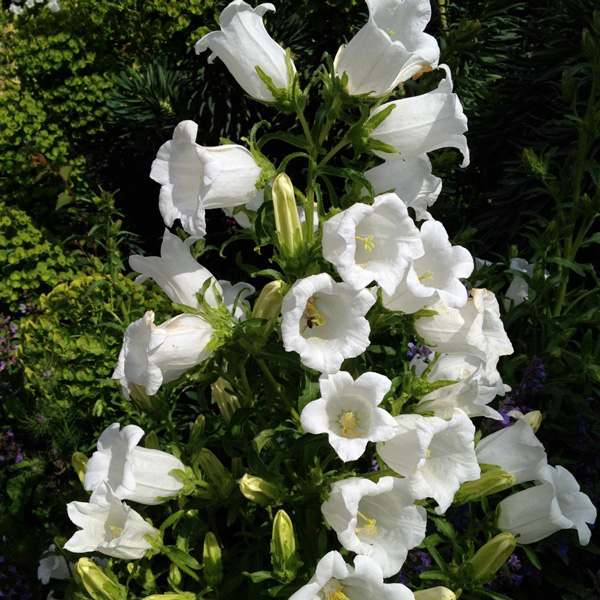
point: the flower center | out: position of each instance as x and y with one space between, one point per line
427 453
367 241
349 422
427 275
369 525
337 595
116 531
311 316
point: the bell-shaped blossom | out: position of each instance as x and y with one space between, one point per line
410 179
152 355
348 411
176 271
518 290
475 387
244 44
435 274
372 243
434 455
195 178
475 329
555 503
53 566
514 449
178 168
229 176
133 473
324 322
424 123
234 297
391 48
108 526
376 519
334 579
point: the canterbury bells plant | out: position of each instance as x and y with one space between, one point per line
310 434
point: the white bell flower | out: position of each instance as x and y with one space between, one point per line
378 520
324 322
234 297
434 455
133 473
555 503
336 580
391 48
474 389
515 449
372 243
179 275
152 355
243 44
424 123
195 178
178 168
348 411
475 329
435 274
229 176
518 290
410 179
108 526
53 566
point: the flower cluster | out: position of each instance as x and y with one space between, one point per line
345 260
18 7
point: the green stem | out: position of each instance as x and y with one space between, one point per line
341 144
261 363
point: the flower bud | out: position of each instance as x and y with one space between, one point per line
150 405
96 583
79 461
287 221
197 434
258 490
268 304
227 403
284 559
589 45
212 560
489 483
534 418
436 593
216 473
490 557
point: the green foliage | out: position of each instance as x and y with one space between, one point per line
69 352
30 262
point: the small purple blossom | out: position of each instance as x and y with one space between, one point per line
10 451
414 350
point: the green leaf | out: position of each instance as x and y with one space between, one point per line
63 200
532 556
171 519
563 262
182 558
259 576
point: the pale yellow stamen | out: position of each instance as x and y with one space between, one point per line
427 453
115 531
427 275
367 241
390 32
337 595
424 69
369 527
349 423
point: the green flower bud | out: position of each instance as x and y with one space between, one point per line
589 45
227 403
175 576
151 405
258 490
197 435
78 462
96 583
490 557
268 304
436 593
287 221
534 418
212 560
489 483
216 473
284 559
